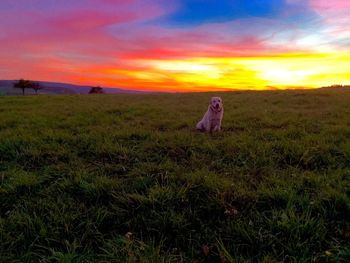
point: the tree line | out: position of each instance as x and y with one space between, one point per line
27 84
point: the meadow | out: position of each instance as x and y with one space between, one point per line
126 178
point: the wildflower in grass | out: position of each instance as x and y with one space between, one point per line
231 212
128 235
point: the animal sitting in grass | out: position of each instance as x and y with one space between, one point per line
212 119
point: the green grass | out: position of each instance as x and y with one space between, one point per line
125 178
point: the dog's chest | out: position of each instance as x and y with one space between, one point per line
214 122
215 118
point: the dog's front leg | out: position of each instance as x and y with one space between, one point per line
207 126
219 126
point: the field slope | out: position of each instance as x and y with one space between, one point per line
125 178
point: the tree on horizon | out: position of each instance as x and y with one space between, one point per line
96 90
22 84
36 86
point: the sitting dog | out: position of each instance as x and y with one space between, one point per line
211 121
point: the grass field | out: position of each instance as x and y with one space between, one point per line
125 178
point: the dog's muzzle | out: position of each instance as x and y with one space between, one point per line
216 108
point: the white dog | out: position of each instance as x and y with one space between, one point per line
211 121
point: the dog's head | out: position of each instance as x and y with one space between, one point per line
216 103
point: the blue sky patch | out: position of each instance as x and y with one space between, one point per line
202 11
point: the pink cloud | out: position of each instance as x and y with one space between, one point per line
88 19
77 30
329 5
335 16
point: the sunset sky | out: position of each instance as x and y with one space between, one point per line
177 45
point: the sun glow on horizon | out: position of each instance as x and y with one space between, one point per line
279 71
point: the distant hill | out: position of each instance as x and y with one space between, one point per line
337 87
6 88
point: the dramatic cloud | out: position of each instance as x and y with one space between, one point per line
177 45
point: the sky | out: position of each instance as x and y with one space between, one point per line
177 45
